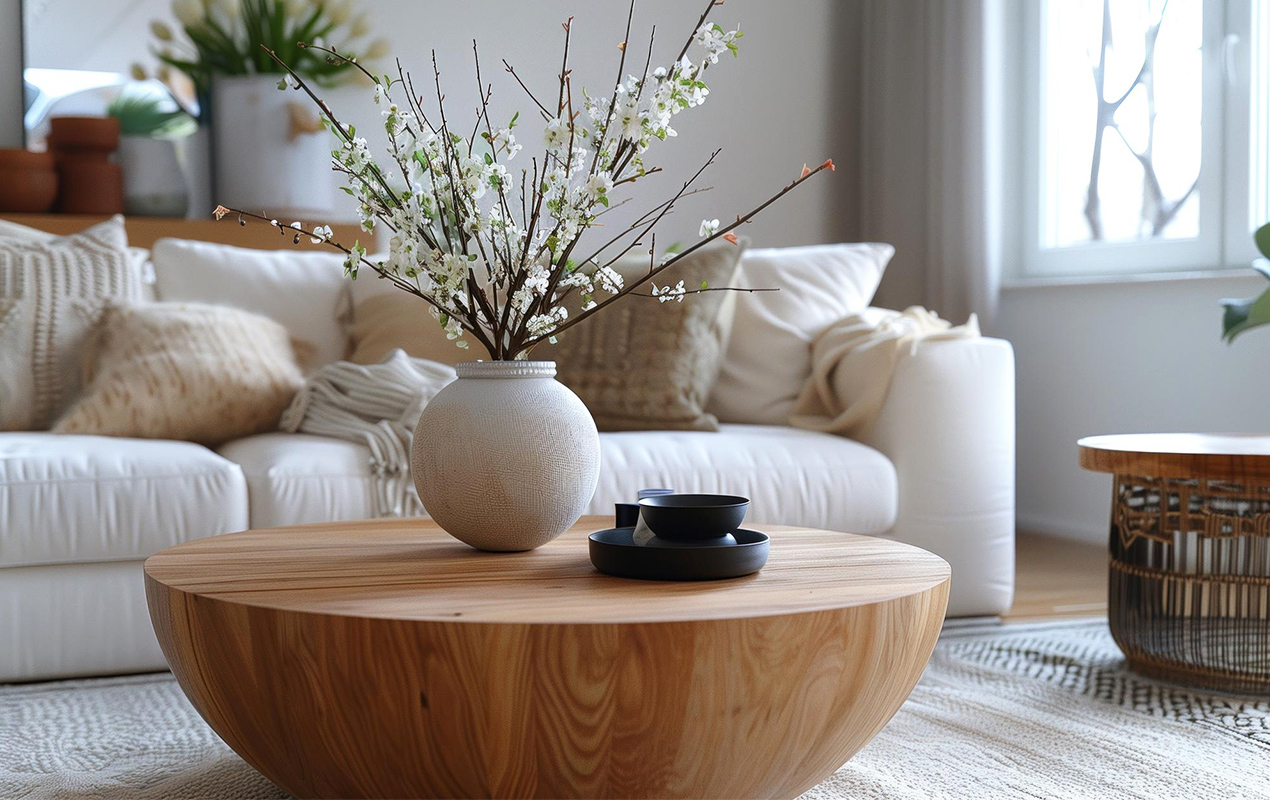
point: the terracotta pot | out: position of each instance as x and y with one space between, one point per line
79 157
28 182
15 158
89 186
95 134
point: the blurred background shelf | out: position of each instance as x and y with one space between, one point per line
144 231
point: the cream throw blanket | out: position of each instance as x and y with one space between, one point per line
853 362
377 405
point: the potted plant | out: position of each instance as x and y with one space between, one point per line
1252 312
501 246
222 46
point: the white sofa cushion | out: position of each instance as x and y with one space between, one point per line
792 476
305 292
297 478
769 353
99 498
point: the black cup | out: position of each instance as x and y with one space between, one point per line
625 515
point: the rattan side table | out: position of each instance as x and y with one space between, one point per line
1189 593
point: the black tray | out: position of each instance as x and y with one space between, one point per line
615 552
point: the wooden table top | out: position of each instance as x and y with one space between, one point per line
412 570
1223 456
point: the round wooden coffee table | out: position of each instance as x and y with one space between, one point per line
1189 593
384 658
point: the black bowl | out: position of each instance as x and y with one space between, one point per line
693 516
616 552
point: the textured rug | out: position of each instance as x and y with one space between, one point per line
1036 711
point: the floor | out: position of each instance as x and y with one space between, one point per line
1056 578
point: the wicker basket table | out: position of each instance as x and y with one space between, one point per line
1189 592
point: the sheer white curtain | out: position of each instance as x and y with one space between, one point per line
930 113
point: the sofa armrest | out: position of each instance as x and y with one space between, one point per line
948 426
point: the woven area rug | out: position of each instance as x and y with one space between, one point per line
1037 711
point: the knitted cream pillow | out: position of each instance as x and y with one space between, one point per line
53 290
199 373
647 365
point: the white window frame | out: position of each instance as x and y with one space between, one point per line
1224 241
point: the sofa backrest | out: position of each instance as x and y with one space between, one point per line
769 346
305 292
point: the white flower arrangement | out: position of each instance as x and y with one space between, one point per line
489 240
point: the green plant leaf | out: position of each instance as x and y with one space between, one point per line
141 115
1262 238
1245 314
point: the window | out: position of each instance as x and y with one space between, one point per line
1147 143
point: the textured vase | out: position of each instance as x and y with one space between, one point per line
505 458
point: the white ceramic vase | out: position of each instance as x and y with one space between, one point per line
506 457
153 184
271 154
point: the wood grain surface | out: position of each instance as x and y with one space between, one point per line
383 659
1222 456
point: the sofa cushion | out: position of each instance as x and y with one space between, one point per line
769 354
306 292
296 478
645 365
188 371
99 498
792 476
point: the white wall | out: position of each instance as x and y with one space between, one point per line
1122 358
771 110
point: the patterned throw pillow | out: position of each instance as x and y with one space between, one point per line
646 365
198 373
52 293
385 318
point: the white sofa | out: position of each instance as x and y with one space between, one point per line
79 514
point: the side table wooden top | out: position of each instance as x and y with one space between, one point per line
1221 456
412 570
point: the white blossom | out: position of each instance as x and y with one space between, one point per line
556 134
667 293
709 227
597 186
610 280
540 324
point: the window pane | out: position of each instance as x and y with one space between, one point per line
1142 144
1259 128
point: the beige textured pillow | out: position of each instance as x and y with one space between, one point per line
199 373
52 293
646 365
385 318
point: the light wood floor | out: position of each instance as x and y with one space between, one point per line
1055 578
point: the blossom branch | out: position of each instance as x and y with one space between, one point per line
722 232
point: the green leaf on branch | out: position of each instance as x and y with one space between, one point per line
1248 313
